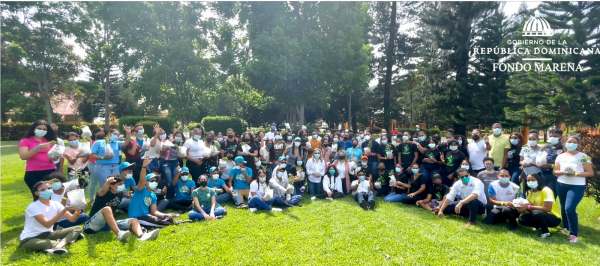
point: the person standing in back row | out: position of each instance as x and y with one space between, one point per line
33 149
371 152
478 149
499 146
553 150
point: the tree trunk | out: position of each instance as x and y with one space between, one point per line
350 110
107 102
301 114
44 90
389 58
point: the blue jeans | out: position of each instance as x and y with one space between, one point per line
393 197
169 171
515 172
314 188
550 180
470 209
429 173
570 196
104 170
66 223
373 166
223 197
93 181
280 201
153 164
259 204
194 215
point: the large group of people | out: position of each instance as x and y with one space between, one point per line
496 176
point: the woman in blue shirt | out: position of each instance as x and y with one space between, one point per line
107 164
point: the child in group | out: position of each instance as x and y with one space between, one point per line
364 188
60 195
72 155
126 169
258 201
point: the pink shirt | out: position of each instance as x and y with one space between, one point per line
73 153
40 160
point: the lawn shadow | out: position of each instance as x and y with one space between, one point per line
100 237
15 221
287 212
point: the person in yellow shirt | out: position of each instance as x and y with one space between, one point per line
498 147
314 144
542 211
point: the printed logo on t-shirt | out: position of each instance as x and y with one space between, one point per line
147 201
449 161
114 202
240 177
184 189
406 150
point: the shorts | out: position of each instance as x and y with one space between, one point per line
97 224
434 203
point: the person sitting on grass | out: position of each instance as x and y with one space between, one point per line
473 202
60 195
417 186
332 185
143 203
40 216
205 203
364 188
126 170
283 190
541 212
239 181
257 189
400 190
502 192
218 185
184 187
436 195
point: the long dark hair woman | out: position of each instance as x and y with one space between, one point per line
33 149
98 134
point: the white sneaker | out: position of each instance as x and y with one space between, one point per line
329 199
150 235
276 209
313 198
123 235
252 209
55 251
545 235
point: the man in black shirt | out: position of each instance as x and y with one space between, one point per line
407 153
230 143
385 153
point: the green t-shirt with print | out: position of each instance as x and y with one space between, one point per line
204 196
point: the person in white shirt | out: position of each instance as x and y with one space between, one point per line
40 217
59 163
155 147
271 134
57 179
332 185
226 167
282 190
501 194
195 153
364 188
315 169
473 201
477 151
258 188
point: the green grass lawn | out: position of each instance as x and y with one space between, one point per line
322 232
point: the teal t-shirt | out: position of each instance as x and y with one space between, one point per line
98 149
129 183
140 203
239 179
216 184
182 191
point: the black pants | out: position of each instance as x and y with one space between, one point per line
470 209
195 170
335 195
500 215
150 220
180 205
413 200
32 177
539 219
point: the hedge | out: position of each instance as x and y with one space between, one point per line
16 131
222 123
164 122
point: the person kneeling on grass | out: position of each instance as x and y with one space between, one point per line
437 195
224 194
364 188
40 217
258 201
102 216
143 203
60 195
502 192
240 178
541 212
400 190
184 187
417 187
126 170
332 185
205 203
282 190
473 203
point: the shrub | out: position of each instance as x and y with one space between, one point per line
164 122
222 123
434 131
410 130
590 145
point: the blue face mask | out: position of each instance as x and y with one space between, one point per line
74 143
398 170
129 176
274 128
262 179
514 141
453 148
56 186
504 180
362 178
197 137
283 165
405 138
395 138
297 144
497 131
466 167
163 136
177 139
280 174
121 188
258 164
315 136
335 140
466 179
571 146
384 142
215 177
365 163
140 132
532 143
299 163
431 145
46 194
318 155
415 139
332 172
421 138
532 184
415 171
40 133
114 138
459 142
289 138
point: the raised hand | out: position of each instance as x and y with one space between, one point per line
146 162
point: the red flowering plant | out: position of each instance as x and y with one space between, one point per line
590 145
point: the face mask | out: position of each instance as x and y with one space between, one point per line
278 137
475 137
246 140
384 134
152 185
215 177
404 138
163 136
318 155
258 164
514 141
431 145
453 148
367 137
328 133
121 188
437 185
177 139
283 165
354 145
197 137
262 179
346 138
489 167
466 167
414 171
415 139
184 178
497 131
203 183
280 174
395 138
342 156
114 138
299 163
362 178
554 140
532 184
532 143
335 140
74 143
466 179
448 140
398 169
381 169
273 128
140 132
571 146
504 180
421 138
384 142
297 144
315 136
46 194
332 172
364 163
229 136
100 137
129 176
40 133
56 186
459 142
289 138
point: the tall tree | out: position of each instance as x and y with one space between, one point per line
389 57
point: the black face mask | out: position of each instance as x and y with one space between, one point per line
229 136
438 186
99 137
342 156
346 138
354 145
475 137
381 169
203 183
246 140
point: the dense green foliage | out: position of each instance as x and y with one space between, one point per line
222 123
